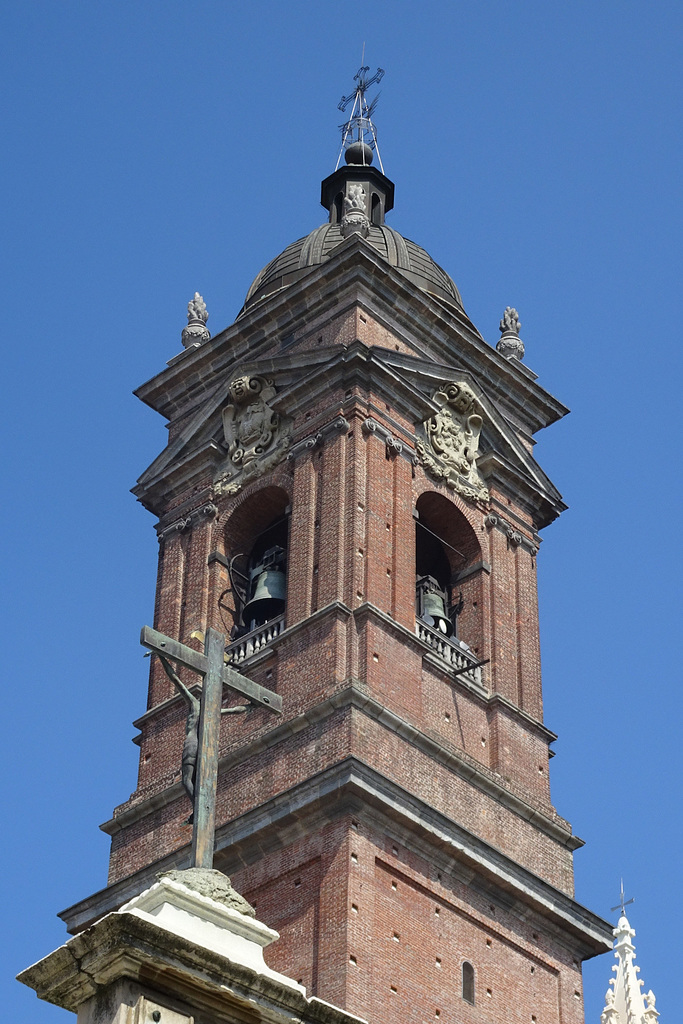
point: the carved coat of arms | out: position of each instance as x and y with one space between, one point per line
449 450
254 434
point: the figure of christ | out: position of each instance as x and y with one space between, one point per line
191 743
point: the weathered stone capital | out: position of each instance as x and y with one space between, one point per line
186 522
514 536
393 444
337 426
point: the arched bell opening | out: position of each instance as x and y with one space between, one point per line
446 550
257 543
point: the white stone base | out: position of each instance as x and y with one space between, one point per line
208 924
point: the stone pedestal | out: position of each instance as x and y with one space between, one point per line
179 953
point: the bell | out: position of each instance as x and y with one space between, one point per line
268 599
434 613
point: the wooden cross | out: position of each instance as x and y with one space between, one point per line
216 674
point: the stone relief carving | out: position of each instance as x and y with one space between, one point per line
510 344
255 436
354 215
196 331
449 450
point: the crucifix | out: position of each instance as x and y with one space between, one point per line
216 674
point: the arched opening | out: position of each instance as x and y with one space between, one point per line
337 208
468 982
257 541
376 210
446 547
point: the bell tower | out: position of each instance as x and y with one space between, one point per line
350 494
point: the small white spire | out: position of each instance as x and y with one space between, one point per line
624 1001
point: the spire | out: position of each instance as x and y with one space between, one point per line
624 1001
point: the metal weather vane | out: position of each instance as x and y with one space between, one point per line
359 127
622 904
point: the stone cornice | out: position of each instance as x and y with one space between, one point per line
538 500
515 537
187 469
355 695
353 784
338 608
393 445
301 382
387 294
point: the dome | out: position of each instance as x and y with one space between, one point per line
357 197
410 259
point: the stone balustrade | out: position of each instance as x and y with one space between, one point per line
450 652
252 643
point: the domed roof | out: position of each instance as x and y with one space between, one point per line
410 259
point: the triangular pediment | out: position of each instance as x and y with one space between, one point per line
294 380
204 436
500 443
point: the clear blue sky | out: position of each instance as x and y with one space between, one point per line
156 149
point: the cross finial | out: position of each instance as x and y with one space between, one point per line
359 131
622 904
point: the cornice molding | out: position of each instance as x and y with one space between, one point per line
348 785
359 275
355 695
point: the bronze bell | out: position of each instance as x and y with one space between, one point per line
434 613
432 605
268 599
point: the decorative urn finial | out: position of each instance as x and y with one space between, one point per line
196 331
510 344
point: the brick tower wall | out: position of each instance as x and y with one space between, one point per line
374 915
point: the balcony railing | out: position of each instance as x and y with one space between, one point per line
450 652
252 643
